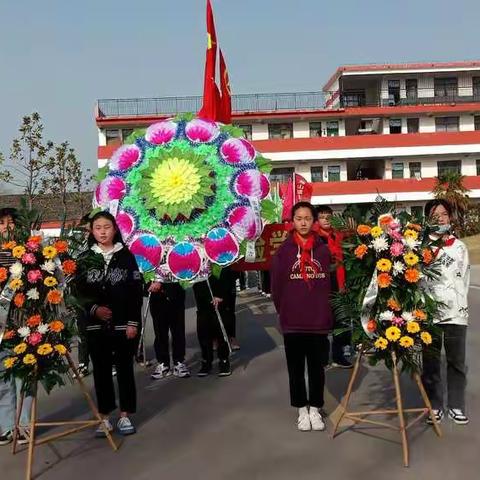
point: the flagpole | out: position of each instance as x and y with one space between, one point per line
294 189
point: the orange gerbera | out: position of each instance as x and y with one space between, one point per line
35 239
69 267
3 274
34 321
9 334
54 296
393 305
363 230
384 280
371 325
9 245
19 300
427 255
361 251
420 315
414 226
412 275
61 246
56 326
385 220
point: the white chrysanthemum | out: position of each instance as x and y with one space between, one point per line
48 266
16 270
33 294
380 244
398 268
386 316
408 316
42 328
411 243
23 332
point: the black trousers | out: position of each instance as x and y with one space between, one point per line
227 310
108 348
338 342
83 356
453 338
208 327
314 348
167 308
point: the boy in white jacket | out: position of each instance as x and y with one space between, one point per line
451 289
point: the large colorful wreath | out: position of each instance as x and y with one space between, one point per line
186 195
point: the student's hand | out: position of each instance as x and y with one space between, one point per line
155 287
103 313
216 301
131 332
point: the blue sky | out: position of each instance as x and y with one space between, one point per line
58 57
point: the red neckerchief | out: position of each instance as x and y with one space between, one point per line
334 243
447 243
306 247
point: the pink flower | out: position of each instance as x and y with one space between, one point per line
398 321
396 249
29 259
34 276
34 338
33 246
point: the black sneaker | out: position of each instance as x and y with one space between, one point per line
224 369
438 416
6 438
205 369
342 363
457 415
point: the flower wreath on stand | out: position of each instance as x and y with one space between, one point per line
39 330
389 261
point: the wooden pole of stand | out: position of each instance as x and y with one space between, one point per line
428 404
33 422
17 421
401 417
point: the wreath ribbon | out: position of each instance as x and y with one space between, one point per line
6 297
368 303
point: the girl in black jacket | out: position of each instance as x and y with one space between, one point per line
111 286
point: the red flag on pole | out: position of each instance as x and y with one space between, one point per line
303 189
211 95
287 201
225 112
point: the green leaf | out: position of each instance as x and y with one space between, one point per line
137 133
263 164
216 270
269 211
101 174
149 276
185 285
243 248
233 131
187 117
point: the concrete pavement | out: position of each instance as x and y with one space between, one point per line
242 427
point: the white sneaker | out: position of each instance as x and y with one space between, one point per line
180 370
161 371
125 426
303 422
457 415
316 420
100 431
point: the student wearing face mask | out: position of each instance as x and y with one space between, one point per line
451 288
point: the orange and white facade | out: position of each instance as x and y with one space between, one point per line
374 129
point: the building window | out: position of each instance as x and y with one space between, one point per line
281 175
247 131
280 130
477 122
449 166
397 170
446 87
126 132
416 211
317 174
332 129
315 129
411 88
476 88
393 92
395 125
113 137
412 125
353 99
446 124
334 173
478 167
415 169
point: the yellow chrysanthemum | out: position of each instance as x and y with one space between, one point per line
61 349
16 283
426 338
45 349
175 181
384 265
9 362
409 233
50 282
29 359
18 251
410 259
49 252
20 348
381 343
393 334
413 327
406 341
376 232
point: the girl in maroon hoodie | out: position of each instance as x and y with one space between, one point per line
300 280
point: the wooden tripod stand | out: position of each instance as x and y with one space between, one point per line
357 417
77 426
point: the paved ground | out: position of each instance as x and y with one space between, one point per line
242 427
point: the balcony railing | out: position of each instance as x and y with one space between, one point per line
261 102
